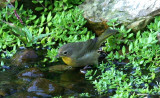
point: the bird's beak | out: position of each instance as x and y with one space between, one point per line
57 56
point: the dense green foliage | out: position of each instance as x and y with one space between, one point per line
49 30
60 21
56 5
140 51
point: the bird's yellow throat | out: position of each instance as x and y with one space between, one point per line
68 61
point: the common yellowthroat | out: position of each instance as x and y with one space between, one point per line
80 54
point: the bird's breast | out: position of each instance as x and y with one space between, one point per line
69 61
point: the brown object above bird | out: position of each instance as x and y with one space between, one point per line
80 54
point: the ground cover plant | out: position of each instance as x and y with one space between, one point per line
48 31
132 65
137 72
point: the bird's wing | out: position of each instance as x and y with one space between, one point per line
86 47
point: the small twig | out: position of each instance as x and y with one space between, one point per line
43 24
41 4
18 17
16 14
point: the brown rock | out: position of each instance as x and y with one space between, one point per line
24 95
30 74
44 87
7 88
97 26
24 56
133 14
2 93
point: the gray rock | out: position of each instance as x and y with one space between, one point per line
135 14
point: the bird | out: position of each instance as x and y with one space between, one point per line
79 54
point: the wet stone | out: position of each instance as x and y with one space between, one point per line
57 68
24 56
7 88
30 74
133 14
23 95
2 93
44 87
70 78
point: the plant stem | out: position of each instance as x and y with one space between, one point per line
15 12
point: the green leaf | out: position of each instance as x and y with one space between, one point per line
49 17
128 30
150 38
138 34
49 24
2 63
16 29
35 1
45 10
65 0
28 44
123 50
47 29
42 19
16 4
130 35
130 46
153 76
18 42
50 7
39 8
6 17
41 36
33 17
40 1
21 8
141 61
0 16
28 34
41 30
36 21
46 2
117 55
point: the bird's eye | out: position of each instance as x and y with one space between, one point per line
65 52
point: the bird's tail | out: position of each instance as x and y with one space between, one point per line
105 35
